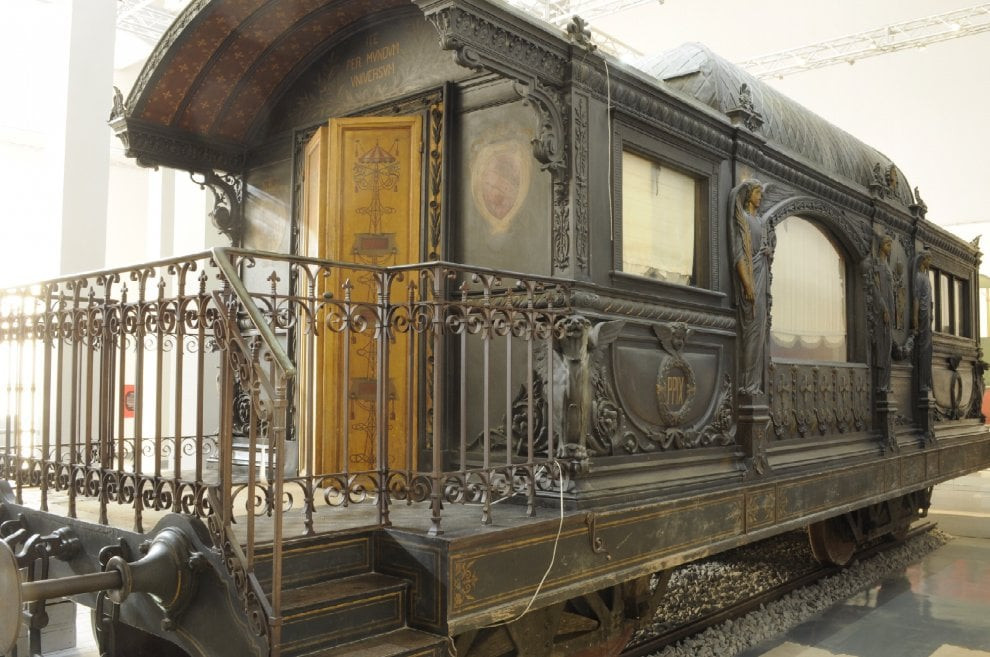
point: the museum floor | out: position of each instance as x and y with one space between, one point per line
938 607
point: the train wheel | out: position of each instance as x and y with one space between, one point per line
832 541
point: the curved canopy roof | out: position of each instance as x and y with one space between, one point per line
207 89
695 70
220 67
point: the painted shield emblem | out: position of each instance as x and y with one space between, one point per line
500 181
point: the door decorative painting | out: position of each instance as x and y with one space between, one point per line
371 216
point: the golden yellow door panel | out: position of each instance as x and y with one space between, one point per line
372 175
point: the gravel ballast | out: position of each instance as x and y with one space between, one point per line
701 587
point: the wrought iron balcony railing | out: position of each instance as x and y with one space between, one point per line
272 393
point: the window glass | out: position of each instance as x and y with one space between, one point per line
809 294
945 306
658 215
959 306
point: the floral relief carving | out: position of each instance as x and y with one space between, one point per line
809 400
464 579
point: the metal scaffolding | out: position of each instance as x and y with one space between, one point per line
150 18
560 12
144 18
916 33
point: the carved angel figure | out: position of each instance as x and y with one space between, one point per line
751 264
576 339
882 337
921 320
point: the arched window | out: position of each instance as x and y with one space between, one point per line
809 294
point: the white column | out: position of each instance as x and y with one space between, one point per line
84 142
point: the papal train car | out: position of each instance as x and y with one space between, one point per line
505 329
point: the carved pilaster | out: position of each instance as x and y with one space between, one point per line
886 413
561 226
752 425
580 141
436 181
549 149
925 417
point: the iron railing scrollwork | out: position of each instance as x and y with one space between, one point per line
167 387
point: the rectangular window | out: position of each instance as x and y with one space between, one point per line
945 303
958 301
952 304
659 209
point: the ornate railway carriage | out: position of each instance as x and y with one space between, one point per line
355 429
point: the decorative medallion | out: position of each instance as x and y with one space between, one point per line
500 176
676 387
676 383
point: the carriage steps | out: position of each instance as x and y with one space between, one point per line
334 604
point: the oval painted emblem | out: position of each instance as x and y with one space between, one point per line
500 176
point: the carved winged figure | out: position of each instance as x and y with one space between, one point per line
576 340
751 264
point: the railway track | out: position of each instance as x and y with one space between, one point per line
749 604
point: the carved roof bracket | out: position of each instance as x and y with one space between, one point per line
549 145
228 202
507 44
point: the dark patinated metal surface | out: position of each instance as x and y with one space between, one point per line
573 414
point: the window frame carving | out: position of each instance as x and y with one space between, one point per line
852 235
849 278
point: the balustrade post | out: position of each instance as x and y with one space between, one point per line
382 335
51 333
279 429
226 424
437 328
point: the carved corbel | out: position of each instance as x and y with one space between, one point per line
550 150
538 65
549 143
228 198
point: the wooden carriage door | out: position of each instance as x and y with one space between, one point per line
362 180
